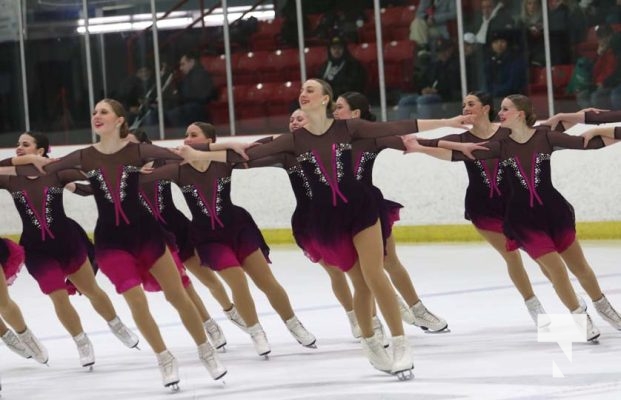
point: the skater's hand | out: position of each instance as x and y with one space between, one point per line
468 148
186 152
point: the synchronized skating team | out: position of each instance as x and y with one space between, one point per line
342 222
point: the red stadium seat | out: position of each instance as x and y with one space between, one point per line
281 65
249 66
399 64
284 98
266 36
315 57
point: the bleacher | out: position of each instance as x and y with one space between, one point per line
267 77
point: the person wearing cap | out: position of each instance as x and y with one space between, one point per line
341 70
504 69
438 83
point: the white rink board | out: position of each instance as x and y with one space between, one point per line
431 190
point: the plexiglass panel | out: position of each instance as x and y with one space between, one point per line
11 92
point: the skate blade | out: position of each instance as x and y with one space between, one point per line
443 330
173 386
220 376
404 375
310 346
89 367
265 356
594 340
136 347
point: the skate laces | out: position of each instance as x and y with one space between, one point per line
84 346
12 340
206 351
423 315
30 342
166 364
604 307
298 330
214 330
124 334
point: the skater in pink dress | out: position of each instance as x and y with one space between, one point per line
129 243
413 311
537 217
227 239
343 220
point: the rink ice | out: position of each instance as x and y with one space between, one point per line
491 353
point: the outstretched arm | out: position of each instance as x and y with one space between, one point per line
150 152
587 115
361 129
454 151
38 161
608 135
280 144
7 171
71 160
169 172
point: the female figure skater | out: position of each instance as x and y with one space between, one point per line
21 339
355 105
57 247
227 239
157 199
484 201
343 219
129 244
537 216
338 279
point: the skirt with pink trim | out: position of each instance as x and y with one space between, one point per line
330 227
300 234
542 229
179 225
11 259
389 212
229 245
127 252
150 284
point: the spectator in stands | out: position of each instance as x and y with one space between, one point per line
193 92
431 21
341 70
605 72
473 53
615 96
439 84
530 24
490 18
567 28
132 92
504 69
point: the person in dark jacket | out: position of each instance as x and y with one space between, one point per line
439 83
194 91
341 70
504 69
